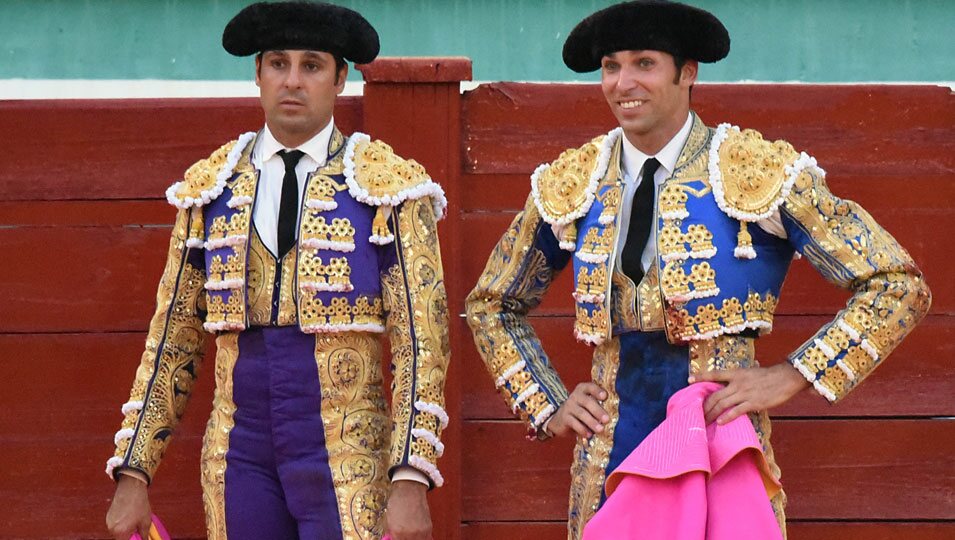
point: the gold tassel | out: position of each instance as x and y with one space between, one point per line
744 243
379 227
568 237
197 228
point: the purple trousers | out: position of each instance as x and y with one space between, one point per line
278 484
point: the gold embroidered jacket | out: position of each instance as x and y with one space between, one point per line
713 277
366 210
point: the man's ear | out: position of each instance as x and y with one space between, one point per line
340 79
258 68
688 72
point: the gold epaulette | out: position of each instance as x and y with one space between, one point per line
206 178
751 177
564 189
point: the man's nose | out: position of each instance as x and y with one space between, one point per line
627 80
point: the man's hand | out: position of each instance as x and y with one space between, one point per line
582 413
408 517
750 390
130 512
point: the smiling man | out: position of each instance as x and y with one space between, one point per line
298 247
680 236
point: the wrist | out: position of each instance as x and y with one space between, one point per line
408 486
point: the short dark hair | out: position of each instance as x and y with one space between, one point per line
679 62
339 63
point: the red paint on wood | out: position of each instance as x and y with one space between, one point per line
832 469
120 149
423 69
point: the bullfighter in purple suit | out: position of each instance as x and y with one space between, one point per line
297 247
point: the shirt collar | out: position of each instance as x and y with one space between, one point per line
315 148
633 158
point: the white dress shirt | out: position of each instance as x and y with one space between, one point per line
632 160
266 158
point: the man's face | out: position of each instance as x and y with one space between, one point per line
646 94
297 90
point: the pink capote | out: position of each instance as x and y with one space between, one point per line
690 481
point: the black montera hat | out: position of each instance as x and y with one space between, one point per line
671 27
313 26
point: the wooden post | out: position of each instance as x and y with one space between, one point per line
414 104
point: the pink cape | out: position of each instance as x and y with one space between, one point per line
690 481
156 531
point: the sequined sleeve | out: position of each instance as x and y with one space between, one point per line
167 370
417 326
518 272
842 241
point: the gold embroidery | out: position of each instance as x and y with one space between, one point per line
322 189
678 286
420 260
672 201
672 242
592 283
753 170
262 271
592 455
336 274
356 428
233 269
722 353
610 199
593 323
215 444
563 186
383 173
288 311
365 311
237 224
756 311
202 175
340 231
231 311
597 243
649 303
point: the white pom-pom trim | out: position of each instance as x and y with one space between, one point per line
701 255
195 243
231 241
428 188
432 439
694 295
867 347
811 377
320 205
590 339
239 200
675 215
567 246
716 178
111 464
337 328
222 326
224 284
428 468
589 298
433 408
744 252
590 192
319 286
762 326
592 258
543 416
606 219
852 332
318 243
825 348
131 406
531 390
207 196
123 434
381 240
846 369
509 372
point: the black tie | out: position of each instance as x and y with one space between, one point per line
288 207
641 221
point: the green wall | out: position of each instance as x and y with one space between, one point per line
773 40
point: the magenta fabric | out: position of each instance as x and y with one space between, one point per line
691 481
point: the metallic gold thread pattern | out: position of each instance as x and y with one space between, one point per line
356 428
215 444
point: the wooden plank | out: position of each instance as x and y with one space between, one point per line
914 381
512 127
832 469
120 149
804 293
61 399
796 531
